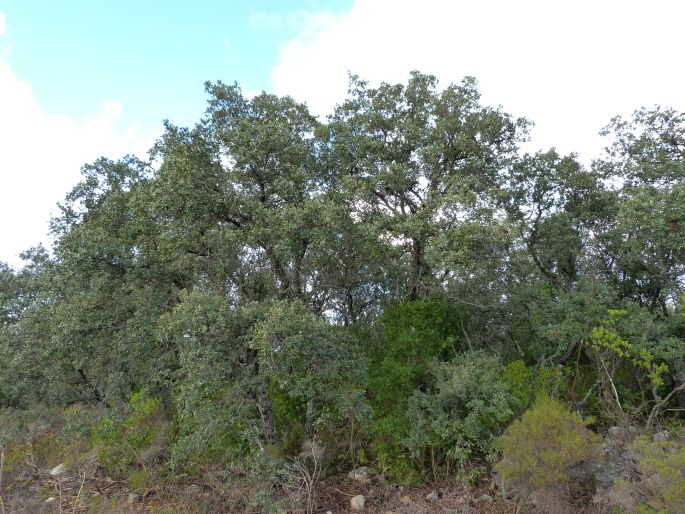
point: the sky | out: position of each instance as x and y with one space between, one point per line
85 78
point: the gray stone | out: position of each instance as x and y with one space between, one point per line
624 433
432 496
362 474
615 463
486 498
661 437
193 490
59 470
614 431
133 498
357 503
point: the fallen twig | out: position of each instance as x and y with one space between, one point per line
83 481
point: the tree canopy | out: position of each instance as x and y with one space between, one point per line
393 272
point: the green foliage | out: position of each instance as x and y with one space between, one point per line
606 337
463 410
121 440
528 383
312 361
274 277
240 366
414 334
660 485
212 385
538 449
289 414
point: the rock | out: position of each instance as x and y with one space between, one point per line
362 474
585 474
624 433
133 498
193 490
405 500
660 437
432 496
615 462
59 470
486 498
357 503
50 500
614 431
39 429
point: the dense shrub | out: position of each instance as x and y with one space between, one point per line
271 366
527 383
134 437
659 486
414 334
462 412
538 449
210 390
313 363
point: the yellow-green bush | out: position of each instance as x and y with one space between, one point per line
539 448
123 441
528 383
661 483
44 450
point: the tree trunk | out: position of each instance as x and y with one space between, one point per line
309 420
260 395
266 412
417 288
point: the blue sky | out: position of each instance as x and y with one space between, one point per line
85 78
152 56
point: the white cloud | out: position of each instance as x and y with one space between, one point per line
41 155
3 23
567 66
300 20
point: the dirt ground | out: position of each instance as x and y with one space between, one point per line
35 491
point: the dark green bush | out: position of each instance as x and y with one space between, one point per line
414 335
